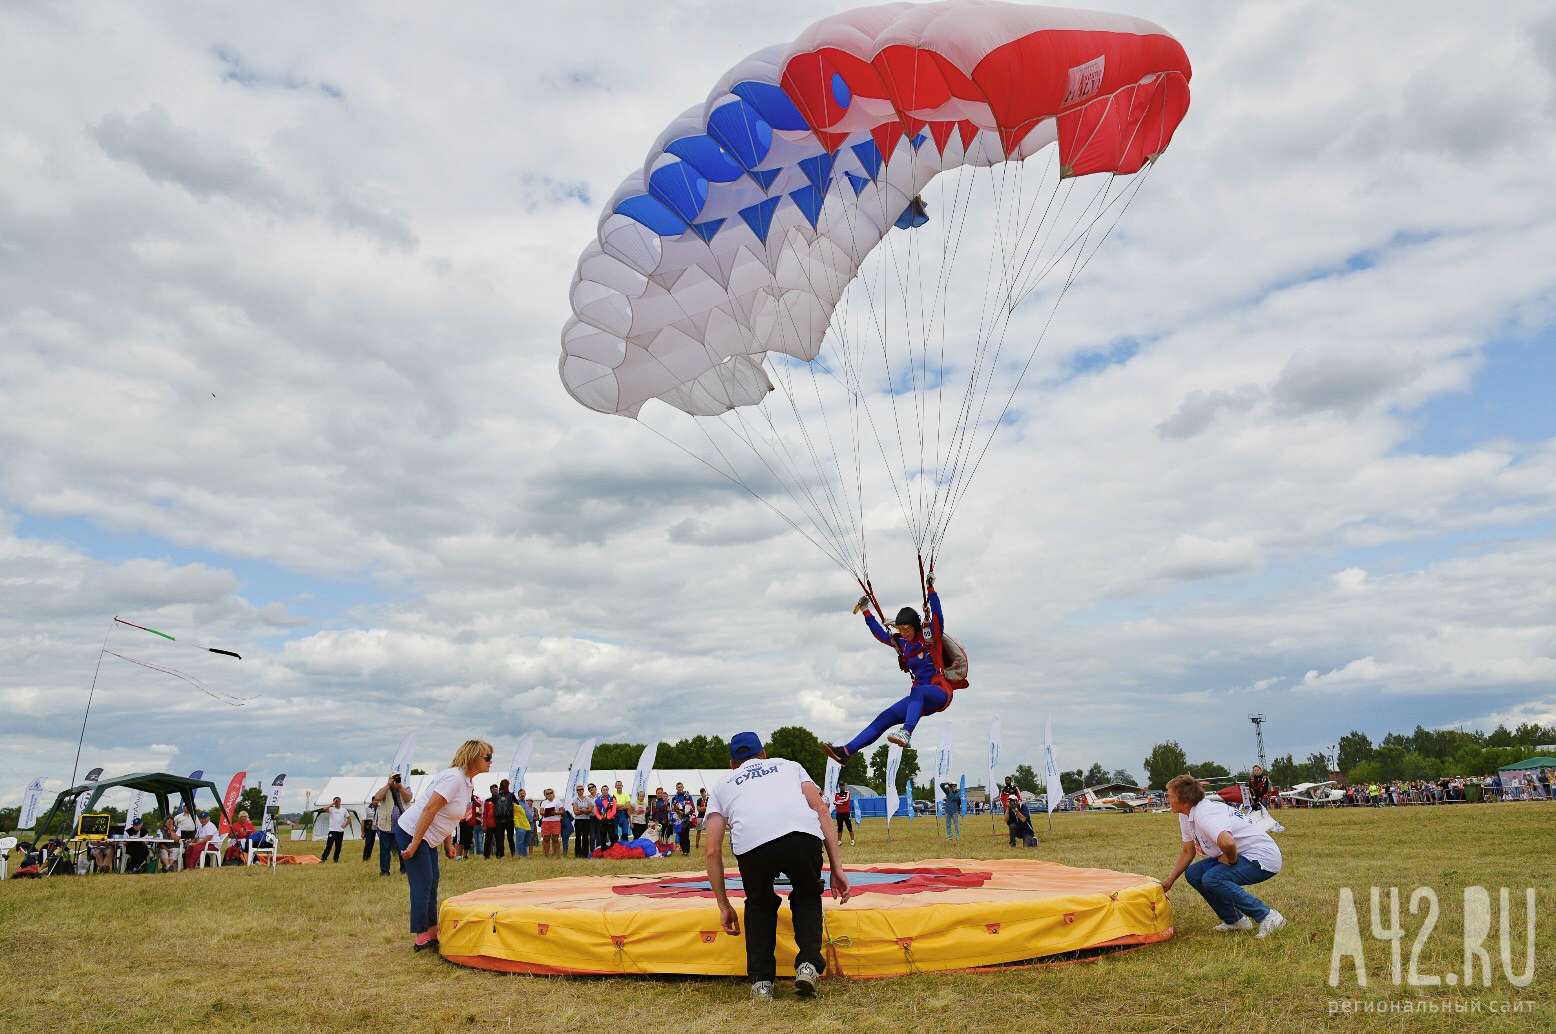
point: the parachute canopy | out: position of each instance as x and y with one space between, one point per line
755 209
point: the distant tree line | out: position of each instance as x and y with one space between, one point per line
1426 754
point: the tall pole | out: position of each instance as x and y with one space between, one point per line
1258 732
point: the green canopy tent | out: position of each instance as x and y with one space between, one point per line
161 785
1529 764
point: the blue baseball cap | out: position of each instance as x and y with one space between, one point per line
745 746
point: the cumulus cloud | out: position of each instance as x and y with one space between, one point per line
282 377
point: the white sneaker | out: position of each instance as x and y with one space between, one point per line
1270 923
762 990
805 978
902 738
1243 923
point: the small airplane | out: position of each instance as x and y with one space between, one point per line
1314 794
1129 800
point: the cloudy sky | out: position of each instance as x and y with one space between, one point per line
280 295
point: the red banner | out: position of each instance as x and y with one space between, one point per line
230 800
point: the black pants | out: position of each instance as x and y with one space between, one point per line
504 832
845 818
604 833
797 856
583 837
368 833
333 841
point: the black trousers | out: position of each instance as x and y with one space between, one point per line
797 856
583 837
368 833
333 841
505 835
845 818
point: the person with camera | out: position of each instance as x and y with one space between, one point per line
391 800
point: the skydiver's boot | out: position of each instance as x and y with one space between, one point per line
835 752
902 738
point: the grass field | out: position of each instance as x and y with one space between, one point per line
325 947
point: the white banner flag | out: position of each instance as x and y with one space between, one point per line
405 756
578 771
519 767
1055 788
91 781
943 762
137 802
30 802
893 762
994 760
645 767
273 803
829 791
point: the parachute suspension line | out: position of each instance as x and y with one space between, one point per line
1082 258
736 480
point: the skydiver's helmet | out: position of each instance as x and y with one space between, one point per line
909 616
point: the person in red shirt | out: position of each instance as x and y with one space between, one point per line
843 804
489 823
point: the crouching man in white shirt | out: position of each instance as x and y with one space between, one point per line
1237 854
778 823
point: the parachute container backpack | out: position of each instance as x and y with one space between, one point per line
828 279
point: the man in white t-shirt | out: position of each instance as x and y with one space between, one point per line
339 818
1237 854
778 823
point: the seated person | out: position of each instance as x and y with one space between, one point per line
136 852
238 836
167 852
204 834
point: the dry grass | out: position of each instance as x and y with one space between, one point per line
326 948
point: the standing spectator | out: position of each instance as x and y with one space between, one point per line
604 814
778 824
184 823
659 810
683 811
489 823
702 815
390 800
1258 787
843 804
953 810
524 824
551 812
340 820
1237 854
469 828
623 813
1545 783
504 816
369 829
640 816
583 814
431 821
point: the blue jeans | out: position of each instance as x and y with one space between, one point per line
421 869
386 848
923 699
1222 887
478 840
521 843
953 821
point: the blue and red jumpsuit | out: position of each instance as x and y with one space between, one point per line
930 693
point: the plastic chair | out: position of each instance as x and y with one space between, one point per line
260 852
213 851
7 845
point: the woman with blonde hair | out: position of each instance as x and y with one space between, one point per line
431 820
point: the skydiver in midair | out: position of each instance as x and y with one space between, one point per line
922 658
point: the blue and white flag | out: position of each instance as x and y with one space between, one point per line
518 768
943 761
137 802
91 780
30 801
578 771
404 757
273 803
1055 788
644 770
893 762
829 790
